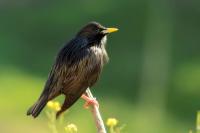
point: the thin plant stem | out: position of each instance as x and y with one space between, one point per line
96 114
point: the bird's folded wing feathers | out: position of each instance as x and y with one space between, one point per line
66 58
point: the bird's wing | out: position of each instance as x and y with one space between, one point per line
52 86
63 66
47 93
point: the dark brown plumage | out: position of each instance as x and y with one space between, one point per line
77 67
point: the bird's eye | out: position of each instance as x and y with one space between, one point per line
98 30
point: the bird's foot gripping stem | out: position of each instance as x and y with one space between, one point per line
89 101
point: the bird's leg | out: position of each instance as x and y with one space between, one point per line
89 101
63 108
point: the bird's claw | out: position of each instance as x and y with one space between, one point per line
90 102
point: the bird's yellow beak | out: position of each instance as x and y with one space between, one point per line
110 30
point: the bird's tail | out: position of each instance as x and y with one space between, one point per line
38 106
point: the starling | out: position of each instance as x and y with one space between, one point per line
78 66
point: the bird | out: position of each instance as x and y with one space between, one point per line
77 66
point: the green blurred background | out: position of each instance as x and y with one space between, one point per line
152 83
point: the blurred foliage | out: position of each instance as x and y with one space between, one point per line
151 83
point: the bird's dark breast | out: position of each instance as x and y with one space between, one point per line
83 69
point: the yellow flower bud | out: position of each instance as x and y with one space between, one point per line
50 104
72 128
54 105
57 106
111 122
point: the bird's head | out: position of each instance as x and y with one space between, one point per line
94 31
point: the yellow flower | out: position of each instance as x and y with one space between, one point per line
72 128
50 104
57 106
111 122
54 105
